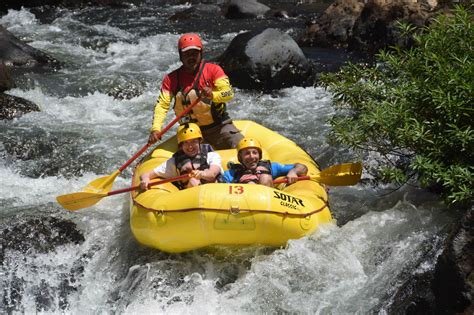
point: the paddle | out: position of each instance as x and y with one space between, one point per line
104 184
85 199
346 174
336 175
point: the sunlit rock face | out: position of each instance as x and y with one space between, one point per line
365 26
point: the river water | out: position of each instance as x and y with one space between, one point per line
381 238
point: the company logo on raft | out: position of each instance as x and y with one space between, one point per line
287 198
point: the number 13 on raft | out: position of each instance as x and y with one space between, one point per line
236 190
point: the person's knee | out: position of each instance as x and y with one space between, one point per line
266 180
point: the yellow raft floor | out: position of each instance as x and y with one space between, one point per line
174 221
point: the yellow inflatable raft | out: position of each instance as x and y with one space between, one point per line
174 221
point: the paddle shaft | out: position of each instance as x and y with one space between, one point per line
167 180
162 132
284 180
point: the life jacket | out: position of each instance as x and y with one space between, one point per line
198 162
240 170
205 113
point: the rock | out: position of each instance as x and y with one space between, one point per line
334 27
244 9
24 240
14 52
125 91
415 296
453 285
40 235
376 26
14 107
448 288
6 81
200 11
17 4
365 26
267 60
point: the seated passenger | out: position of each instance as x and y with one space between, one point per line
192 156
254 170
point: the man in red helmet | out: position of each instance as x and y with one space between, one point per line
197 77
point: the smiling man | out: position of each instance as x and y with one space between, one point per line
192 157
253 170
184 85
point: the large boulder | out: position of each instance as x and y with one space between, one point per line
365 25
14 52
199 11
244 9
267 60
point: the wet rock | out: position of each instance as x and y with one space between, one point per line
40 235
200 11
281 14
51 153
17 4
265 60
12 295
454 274
415 296
14 52
6 81
14 107
244 9
448 288
125 91
21 242
365 26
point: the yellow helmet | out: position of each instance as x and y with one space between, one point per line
188 131
249 143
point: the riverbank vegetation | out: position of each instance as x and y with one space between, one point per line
413 109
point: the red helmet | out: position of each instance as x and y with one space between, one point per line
189 41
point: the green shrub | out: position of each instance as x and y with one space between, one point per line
414 107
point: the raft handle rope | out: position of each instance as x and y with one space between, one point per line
233 210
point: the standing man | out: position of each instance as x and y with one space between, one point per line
193 79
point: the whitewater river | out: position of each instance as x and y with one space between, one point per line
355 265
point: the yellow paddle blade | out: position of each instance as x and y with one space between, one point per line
102 184
79 200
341 174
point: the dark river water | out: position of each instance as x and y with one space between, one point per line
380 239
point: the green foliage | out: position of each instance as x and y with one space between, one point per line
414 107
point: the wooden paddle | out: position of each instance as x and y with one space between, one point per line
85 199
104 184
346 174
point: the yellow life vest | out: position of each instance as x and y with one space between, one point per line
200 114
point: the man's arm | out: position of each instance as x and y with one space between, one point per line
297 170
210 174
222 92
161 109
